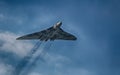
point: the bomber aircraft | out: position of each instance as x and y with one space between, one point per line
52 33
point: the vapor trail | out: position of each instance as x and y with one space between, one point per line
37 52
26 59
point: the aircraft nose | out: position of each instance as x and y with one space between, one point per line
59 23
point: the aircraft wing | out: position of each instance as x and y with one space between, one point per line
62 35
30 36
38 35
49 34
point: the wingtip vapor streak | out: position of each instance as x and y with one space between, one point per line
52 33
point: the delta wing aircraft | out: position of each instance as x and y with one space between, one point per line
52 33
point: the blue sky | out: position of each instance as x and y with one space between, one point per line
94 22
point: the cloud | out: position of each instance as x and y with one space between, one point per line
11 49
5 69
9 43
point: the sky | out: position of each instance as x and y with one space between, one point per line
95 23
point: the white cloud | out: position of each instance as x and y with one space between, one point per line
5 69
10 44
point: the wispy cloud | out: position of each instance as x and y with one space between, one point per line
10 44
5 69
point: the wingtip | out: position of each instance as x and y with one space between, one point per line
75 39
17 38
